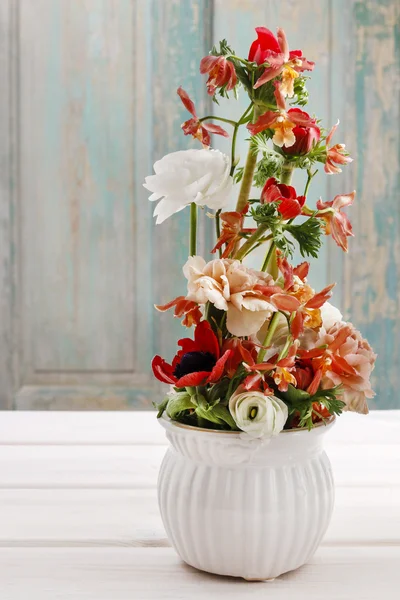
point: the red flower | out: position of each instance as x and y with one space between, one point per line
290 205
221 73
337 223
187 309
335 154
306 138
282 122
241 351
232 227
275 51
198 362
281 371
198 129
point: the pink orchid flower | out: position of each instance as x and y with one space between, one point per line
198 129
275 51
281 121
337 223
335 154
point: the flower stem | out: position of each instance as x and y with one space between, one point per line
193 229
273 324
267 259
310 175
215 118
234 136
287 172
218 229
247 180
248 173
243 250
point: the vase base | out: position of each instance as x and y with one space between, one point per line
256 579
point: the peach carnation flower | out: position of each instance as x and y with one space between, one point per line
349 361
232 287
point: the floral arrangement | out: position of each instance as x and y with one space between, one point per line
268 352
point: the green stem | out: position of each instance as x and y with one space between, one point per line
213 117
287 172
273 324
248 173
193 229
218 229
309 178
234 136
267 259
285 348
247 246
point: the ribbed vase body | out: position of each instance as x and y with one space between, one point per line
241 507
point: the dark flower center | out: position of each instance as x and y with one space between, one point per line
192 362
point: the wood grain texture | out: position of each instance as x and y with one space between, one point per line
81 521
355 45
364 515
93 89
122 574
88 104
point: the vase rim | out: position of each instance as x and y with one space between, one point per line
166 422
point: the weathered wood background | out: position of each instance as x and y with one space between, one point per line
88 103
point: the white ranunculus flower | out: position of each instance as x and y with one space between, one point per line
200 176
257 414
330 315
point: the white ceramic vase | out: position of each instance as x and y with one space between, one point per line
241 507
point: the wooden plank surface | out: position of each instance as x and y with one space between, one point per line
343 573
130 517
79 515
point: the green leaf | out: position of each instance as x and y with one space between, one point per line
269 166
218 391
294 396
307 235
217 414
178 403
161 406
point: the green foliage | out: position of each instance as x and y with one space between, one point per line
178 403
238 175
260 141
270 165
300 97
223 50
300 403
307 235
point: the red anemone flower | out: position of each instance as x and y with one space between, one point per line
306 138
290 205
275 51
221 73
198 129
198 362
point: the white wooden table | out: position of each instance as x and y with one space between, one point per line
79 516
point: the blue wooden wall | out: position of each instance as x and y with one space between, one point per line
89 104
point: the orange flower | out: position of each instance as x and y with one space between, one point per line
337 223
281 121
187 309
198 129
221 73
232 227
335 154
